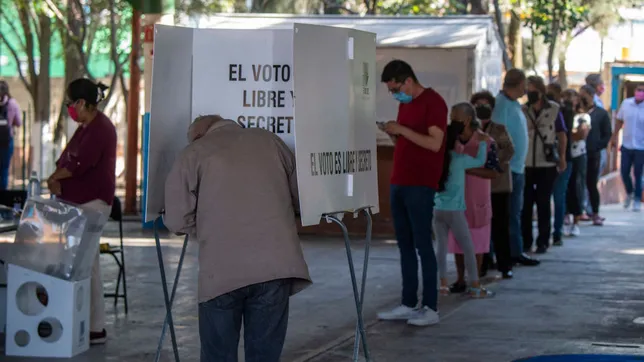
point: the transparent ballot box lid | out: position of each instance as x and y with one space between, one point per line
57 238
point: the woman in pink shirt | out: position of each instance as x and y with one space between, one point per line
10 117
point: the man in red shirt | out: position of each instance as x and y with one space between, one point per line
418 163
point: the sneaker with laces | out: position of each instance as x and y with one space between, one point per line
574 230
401 312
424 317
627 202
637 205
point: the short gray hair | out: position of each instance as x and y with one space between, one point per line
594 80
201 125
468 109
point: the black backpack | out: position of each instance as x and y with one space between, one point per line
5 128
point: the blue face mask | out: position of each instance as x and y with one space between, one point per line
402 97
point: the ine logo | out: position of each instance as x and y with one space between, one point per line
365 78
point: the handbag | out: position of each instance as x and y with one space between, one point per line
550 150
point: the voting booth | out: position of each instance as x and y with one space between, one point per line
456 55
313 86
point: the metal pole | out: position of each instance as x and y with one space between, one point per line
360 332
367 245
168 299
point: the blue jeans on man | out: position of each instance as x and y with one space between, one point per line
516 206
559 197
5 164
412 209
632 159
263 307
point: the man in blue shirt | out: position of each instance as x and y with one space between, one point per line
508 113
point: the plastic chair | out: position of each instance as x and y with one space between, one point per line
115 252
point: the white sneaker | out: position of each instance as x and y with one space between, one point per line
637 205
627 202
574 230
424 317
401 312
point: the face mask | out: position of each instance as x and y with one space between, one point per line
533 97
568 104
456 128
483 112
600 89
72 113
402 97
639 95
551 97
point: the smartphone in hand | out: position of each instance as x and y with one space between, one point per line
381 125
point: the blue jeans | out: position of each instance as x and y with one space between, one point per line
412 208
264 309
516 205
632 159
559 196
5 164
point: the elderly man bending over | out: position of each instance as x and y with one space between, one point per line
234 190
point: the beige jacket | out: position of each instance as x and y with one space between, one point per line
543 124
235 190
503 182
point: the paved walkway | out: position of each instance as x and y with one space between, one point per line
583 298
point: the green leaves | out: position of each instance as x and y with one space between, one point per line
569 14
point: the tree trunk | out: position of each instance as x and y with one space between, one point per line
552 43
73 63
43 88
480 7
515 43
499 25
563 49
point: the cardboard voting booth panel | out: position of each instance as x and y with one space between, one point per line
335 143
324 110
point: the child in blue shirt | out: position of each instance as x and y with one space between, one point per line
449 202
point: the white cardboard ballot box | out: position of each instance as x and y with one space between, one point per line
46 316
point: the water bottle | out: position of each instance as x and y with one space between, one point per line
34 185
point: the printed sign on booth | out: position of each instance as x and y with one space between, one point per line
251 83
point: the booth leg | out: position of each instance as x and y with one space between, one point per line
168 299
361 334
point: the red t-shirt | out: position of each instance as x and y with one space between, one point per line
414 165
90 155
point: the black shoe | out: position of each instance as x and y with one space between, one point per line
507 274
541 250
458 288
526 260
97 337
557 242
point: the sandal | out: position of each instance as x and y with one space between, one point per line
458 288
444 290
480 293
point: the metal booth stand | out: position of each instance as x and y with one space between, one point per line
360 333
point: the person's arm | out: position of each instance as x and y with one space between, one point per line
580 133
479 160
562 137
619 123
181 194
605 131
14 114
288 161
504 144
436 124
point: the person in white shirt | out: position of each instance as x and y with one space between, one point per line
631 118
577 185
